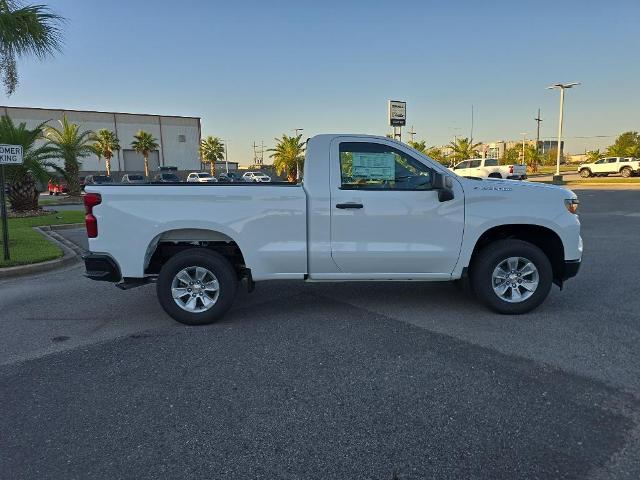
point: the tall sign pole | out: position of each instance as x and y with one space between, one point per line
9 155
397 117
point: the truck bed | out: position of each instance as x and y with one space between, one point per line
267 220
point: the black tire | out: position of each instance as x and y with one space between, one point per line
585 173
198 257
495 175
495 253
626 172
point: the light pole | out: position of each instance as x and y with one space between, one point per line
557 178
226 158
296 130
524 139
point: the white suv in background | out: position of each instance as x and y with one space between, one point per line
625 166
256 177
201 177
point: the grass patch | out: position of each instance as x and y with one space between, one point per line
597 181
551 169
28 246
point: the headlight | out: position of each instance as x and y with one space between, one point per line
571 204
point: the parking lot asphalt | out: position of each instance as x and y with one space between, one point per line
366 380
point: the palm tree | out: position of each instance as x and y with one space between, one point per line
144 143
105 143
288 155
23 194
71 145
463 149
593 155
211 150
31 30
421 146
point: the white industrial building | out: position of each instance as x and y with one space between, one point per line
178 138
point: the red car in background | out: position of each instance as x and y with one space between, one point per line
56 186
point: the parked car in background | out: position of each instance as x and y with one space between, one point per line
489 168
97 179
256 177
625 166
201 177
167 178
133 178
229 177
56 186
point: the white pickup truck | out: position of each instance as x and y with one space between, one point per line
625 166
489 168
369 208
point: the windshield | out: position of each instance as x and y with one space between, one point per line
136 177
204 175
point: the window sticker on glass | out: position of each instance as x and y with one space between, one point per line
374 166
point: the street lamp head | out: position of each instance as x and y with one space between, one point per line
563 85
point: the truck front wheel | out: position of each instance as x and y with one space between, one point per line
511 276
585 173
197 286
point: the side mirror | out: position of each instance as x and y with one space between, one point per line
444 185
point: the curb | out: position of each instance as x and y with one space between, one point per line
71 253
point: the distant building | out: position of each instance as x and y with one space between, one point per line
178 138
497 149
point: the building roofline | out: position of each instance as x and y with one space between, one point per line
99 111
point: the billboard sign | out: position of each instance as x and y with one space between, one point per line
397 113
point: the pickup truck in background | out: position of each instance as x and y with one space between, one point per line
625 166
489 168
369 208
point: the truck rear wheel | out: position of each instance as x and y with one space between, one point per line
197 286
511 276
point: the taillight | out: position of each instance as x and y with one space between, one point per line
91 222
511 169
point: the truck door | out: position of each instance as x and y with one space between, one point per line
385 217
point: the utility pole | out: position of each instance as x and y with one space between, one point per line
471 136
538 120
411 133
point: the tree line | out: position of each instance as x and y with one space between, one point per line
626 144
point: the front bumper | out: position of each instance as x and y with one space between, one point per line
101 267
570 268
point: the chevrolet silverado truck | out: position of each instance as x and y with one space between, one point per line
368 209
489 168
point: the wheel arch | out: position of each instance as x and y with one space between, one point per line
543 237
170 242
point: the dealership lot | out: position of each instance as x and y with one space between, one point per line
324 381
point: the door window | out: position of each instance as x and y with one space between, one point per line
374 166
491 162
464 164
475 163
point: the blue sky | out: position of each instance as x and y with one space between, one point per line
255 70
